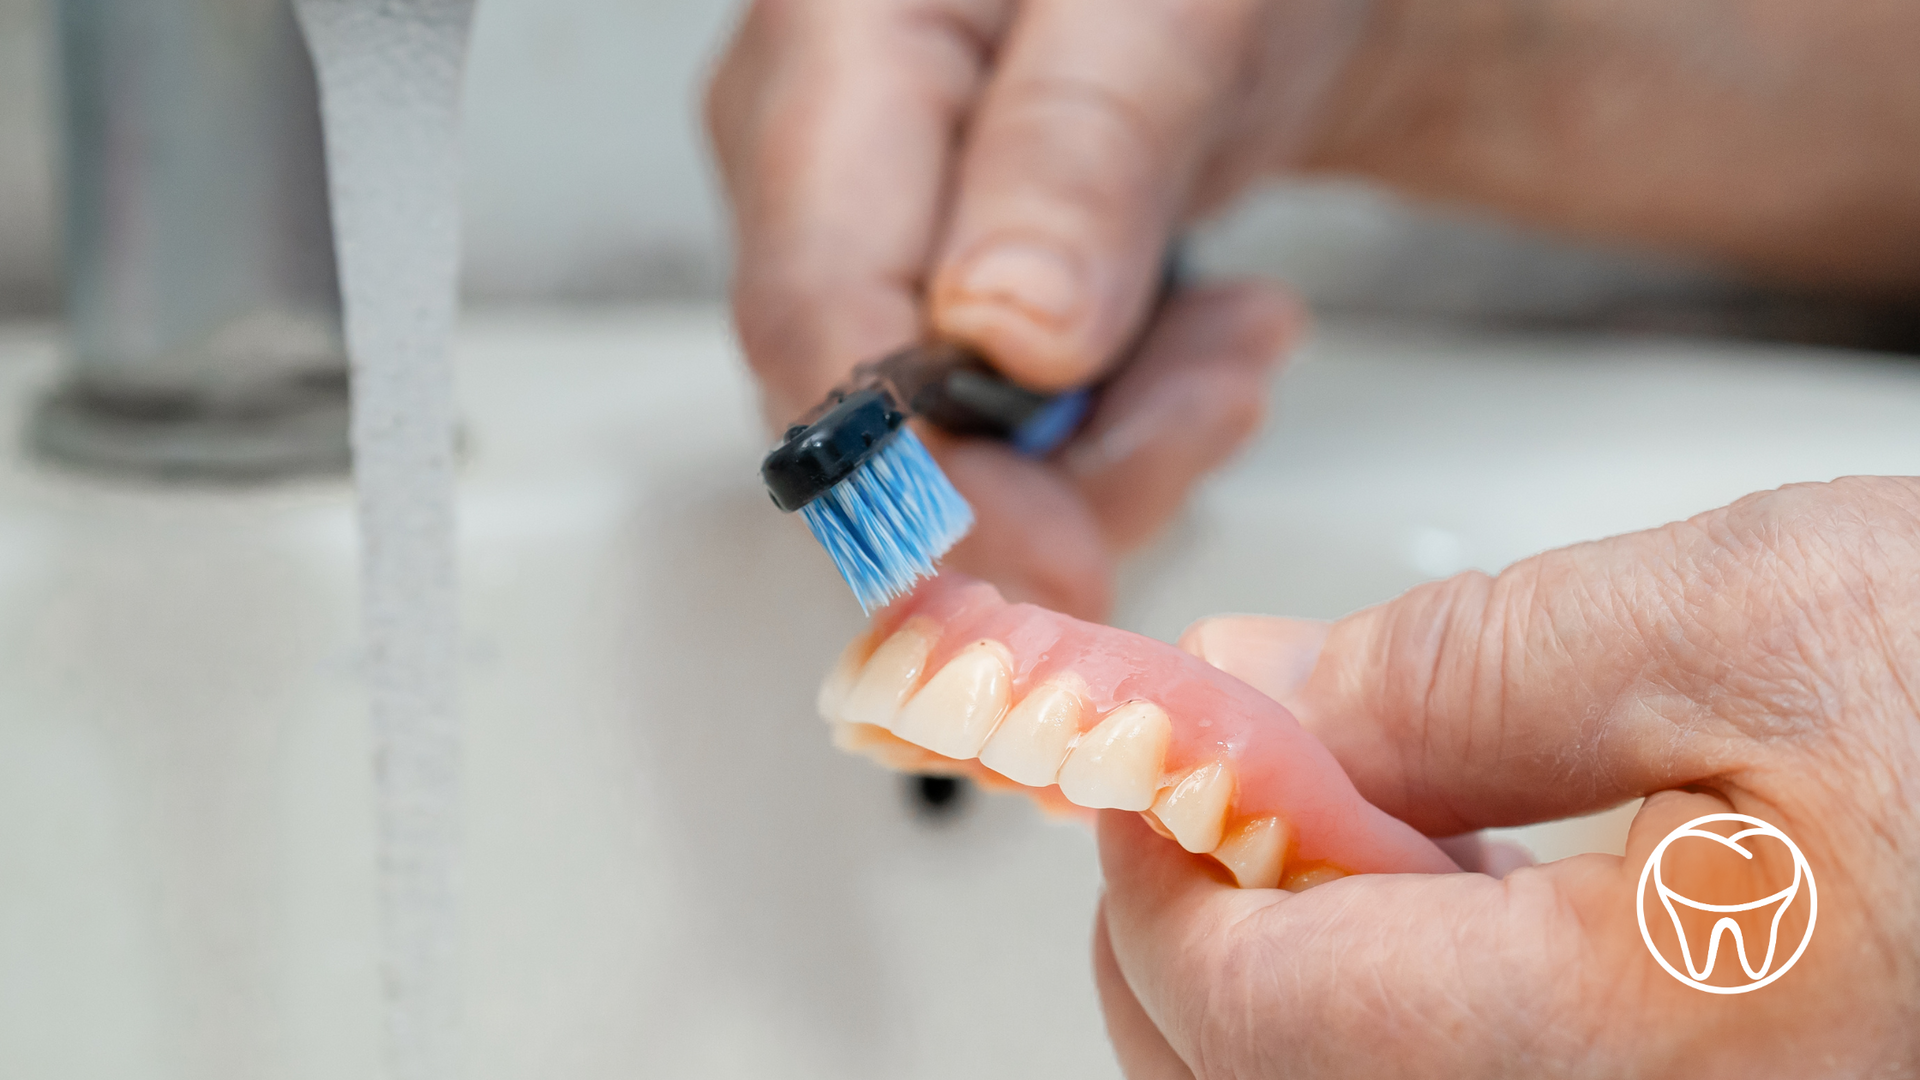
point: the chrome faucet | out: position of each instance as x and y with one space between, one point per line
203 312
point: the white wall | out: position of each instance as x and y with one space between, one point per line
586 172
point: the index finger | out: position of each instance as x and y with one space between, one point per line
834 124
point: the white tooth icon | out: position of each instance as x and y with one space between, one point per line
1726 928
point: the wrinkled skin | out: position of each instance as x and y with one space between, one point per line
881 161
1008 172
1763 658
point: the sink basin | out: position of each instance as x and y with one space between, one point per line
668 871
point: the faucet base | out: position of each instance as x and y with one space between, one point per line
296 427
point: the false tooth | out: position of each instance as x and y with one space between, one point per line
839 683
1035 737
1117 764
1156 825
1255 852
1311 876
854 739
1195 809
890 675
882 747
961 704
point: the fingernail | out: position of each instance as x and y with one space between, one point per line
1273 655
1035 278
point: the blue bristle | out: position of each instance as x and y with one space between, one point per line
888 523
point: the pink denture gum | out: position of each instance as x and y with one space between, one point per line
953 679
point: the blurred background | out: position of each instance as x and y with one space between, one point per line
586 183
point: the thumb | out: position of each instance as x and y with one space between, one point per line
1272 654
1074 173
1571 682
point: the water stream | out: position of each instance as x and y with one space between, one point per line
390 79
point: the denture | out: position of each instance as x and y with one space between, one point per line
953 680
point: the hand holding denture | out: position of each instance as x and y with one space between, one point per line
1758 659
1761 658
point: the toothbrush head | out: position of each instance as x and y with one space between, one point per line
870 492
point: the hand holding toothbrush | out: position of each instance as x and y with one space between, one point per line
1007 174
863 225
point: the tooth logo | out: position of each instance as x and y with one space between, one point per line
1726 929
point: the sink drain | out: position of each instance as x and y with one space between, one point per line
937 797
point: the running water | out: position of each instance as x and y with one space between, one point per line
390 88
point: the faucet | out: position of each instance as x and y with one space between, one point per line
203 311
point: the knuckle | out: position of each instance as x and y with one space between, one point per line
1797 601
1096 114
1440 651
1217 19
1211 39
1801 553
1136 108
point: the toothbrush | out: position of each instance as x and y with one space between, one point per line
872 494
869 490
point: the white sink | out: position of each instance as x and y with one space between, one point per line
669 872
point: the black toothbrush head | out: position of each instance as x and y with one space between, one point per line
815 456
871 493
866 485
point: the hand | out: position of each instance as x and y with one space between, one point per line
1009 174
1764 657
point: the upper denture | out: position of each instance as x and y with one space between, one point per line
1116 721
